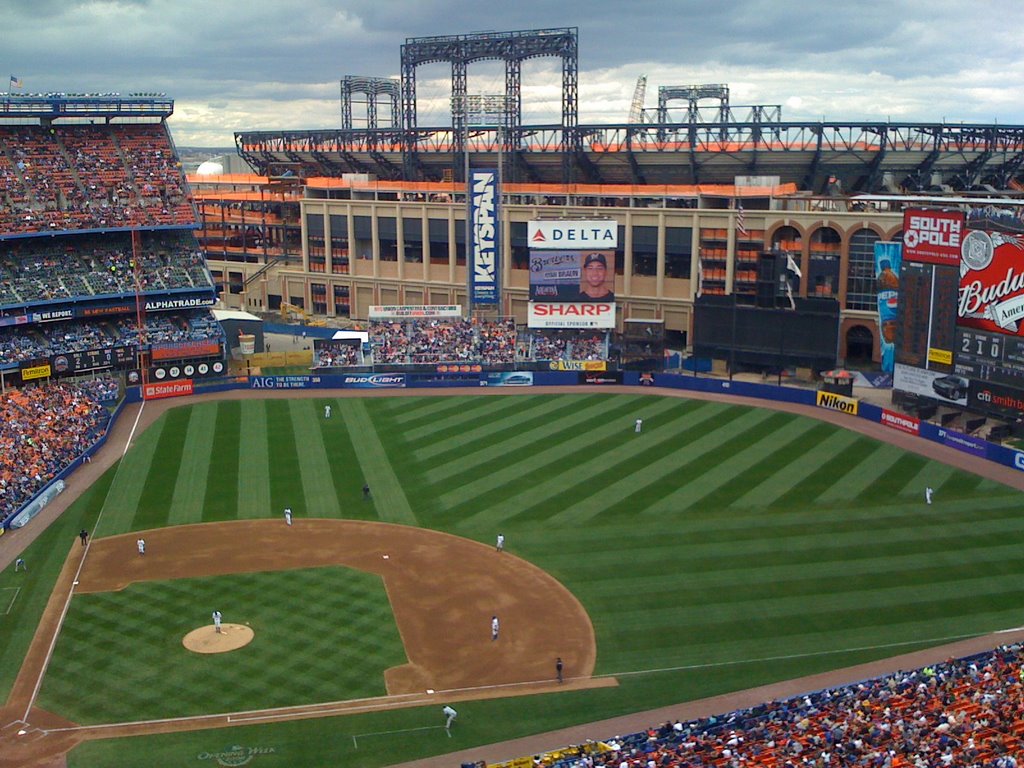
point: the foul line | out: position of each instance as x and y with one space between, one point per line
354 706
400 730
78 572
13 598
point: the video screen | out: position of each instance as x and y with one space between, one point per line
573 276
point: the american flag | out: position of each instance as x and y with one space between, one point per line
741 227
15 82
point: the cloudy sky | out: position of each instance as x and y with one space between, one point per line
263 65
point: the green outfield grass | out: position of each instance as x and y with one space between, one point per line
724 547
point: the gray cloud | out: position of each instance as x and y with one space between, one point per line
270 65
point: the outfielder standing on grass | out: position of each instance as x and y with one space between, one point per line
450 715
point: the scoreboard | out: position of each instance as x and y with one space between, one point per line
990 356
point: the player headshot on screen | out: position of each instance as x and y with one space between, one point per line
595 285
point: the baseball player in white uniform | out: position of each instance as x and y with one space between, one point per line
494 627
216 621
141 545
288 515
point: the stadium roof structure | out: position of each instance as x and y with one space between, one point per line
862 157
47 107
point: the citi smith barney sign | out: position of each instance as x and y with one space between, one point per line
992 282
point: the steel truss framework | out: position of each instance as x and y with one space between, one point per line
371 88
861 155
511 47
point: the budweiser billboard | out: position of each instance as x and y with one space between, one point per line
992 282
932 237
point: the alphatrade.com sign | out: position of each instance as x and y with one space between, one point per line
834 402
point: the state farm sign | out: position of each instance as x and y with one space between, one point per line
571 315
933 237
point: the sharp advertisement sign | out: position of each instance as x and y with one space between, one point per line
484 229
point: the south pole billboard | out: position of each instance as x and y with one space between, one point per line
484 220
933 237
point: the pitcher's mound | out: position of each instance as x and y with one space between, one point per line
206 640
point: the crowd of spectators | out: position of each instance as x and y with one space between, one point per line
964 713
491 342
45 340
74 177
338 354
567 345
37 269
43 429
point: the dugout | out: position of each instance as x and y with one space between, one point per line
235 324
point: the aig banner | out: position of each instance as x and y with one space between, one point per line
483 216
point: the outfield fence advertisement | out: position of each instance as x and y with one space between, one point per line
161 389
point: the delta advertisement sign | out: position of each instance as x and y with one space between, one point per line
483 217
571 315
992 282
933 237
573 235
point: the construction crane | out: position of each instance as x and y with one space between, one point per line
636 110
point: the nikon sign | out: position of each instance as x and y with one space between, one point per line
847 405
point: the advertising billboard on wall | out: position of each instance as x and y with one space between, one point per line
484 231
992 283
572 275
887 270
933 237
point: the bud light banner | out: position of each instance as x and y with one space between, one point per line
483 241
888 257
992 282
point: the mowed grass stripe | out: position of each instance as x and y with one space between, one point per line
220 500
793 576
808 457
283 469
126 488
154 506
550 466
871 466
253 462
471 420
190 486
388 497
672 467
315 470
493 424
342 455
510 436
419 413
844 454
708 451
729 464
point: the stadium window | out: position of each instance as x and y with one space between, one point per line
412 240
437 232
861 292
620 252
645 251
678 244
387 238
520 250
460 242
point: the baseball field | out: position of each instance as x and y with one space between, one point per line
723 548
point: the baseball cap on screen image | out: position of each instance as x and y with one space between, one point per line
595 258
